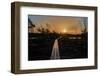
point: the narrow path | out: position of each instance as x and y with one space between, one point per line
55 50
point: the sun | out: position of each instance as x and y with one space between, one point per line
64 30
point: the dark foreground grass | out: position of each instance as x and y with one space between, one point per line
40 46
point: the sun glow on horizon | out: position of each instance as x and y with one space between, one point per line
58 24
64 30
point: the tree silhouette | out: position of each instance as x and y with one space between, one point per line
31 25
44 30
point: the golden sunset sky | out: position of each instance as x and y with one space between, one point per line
60 24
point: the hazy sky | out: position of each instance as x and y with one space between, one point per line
60 24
